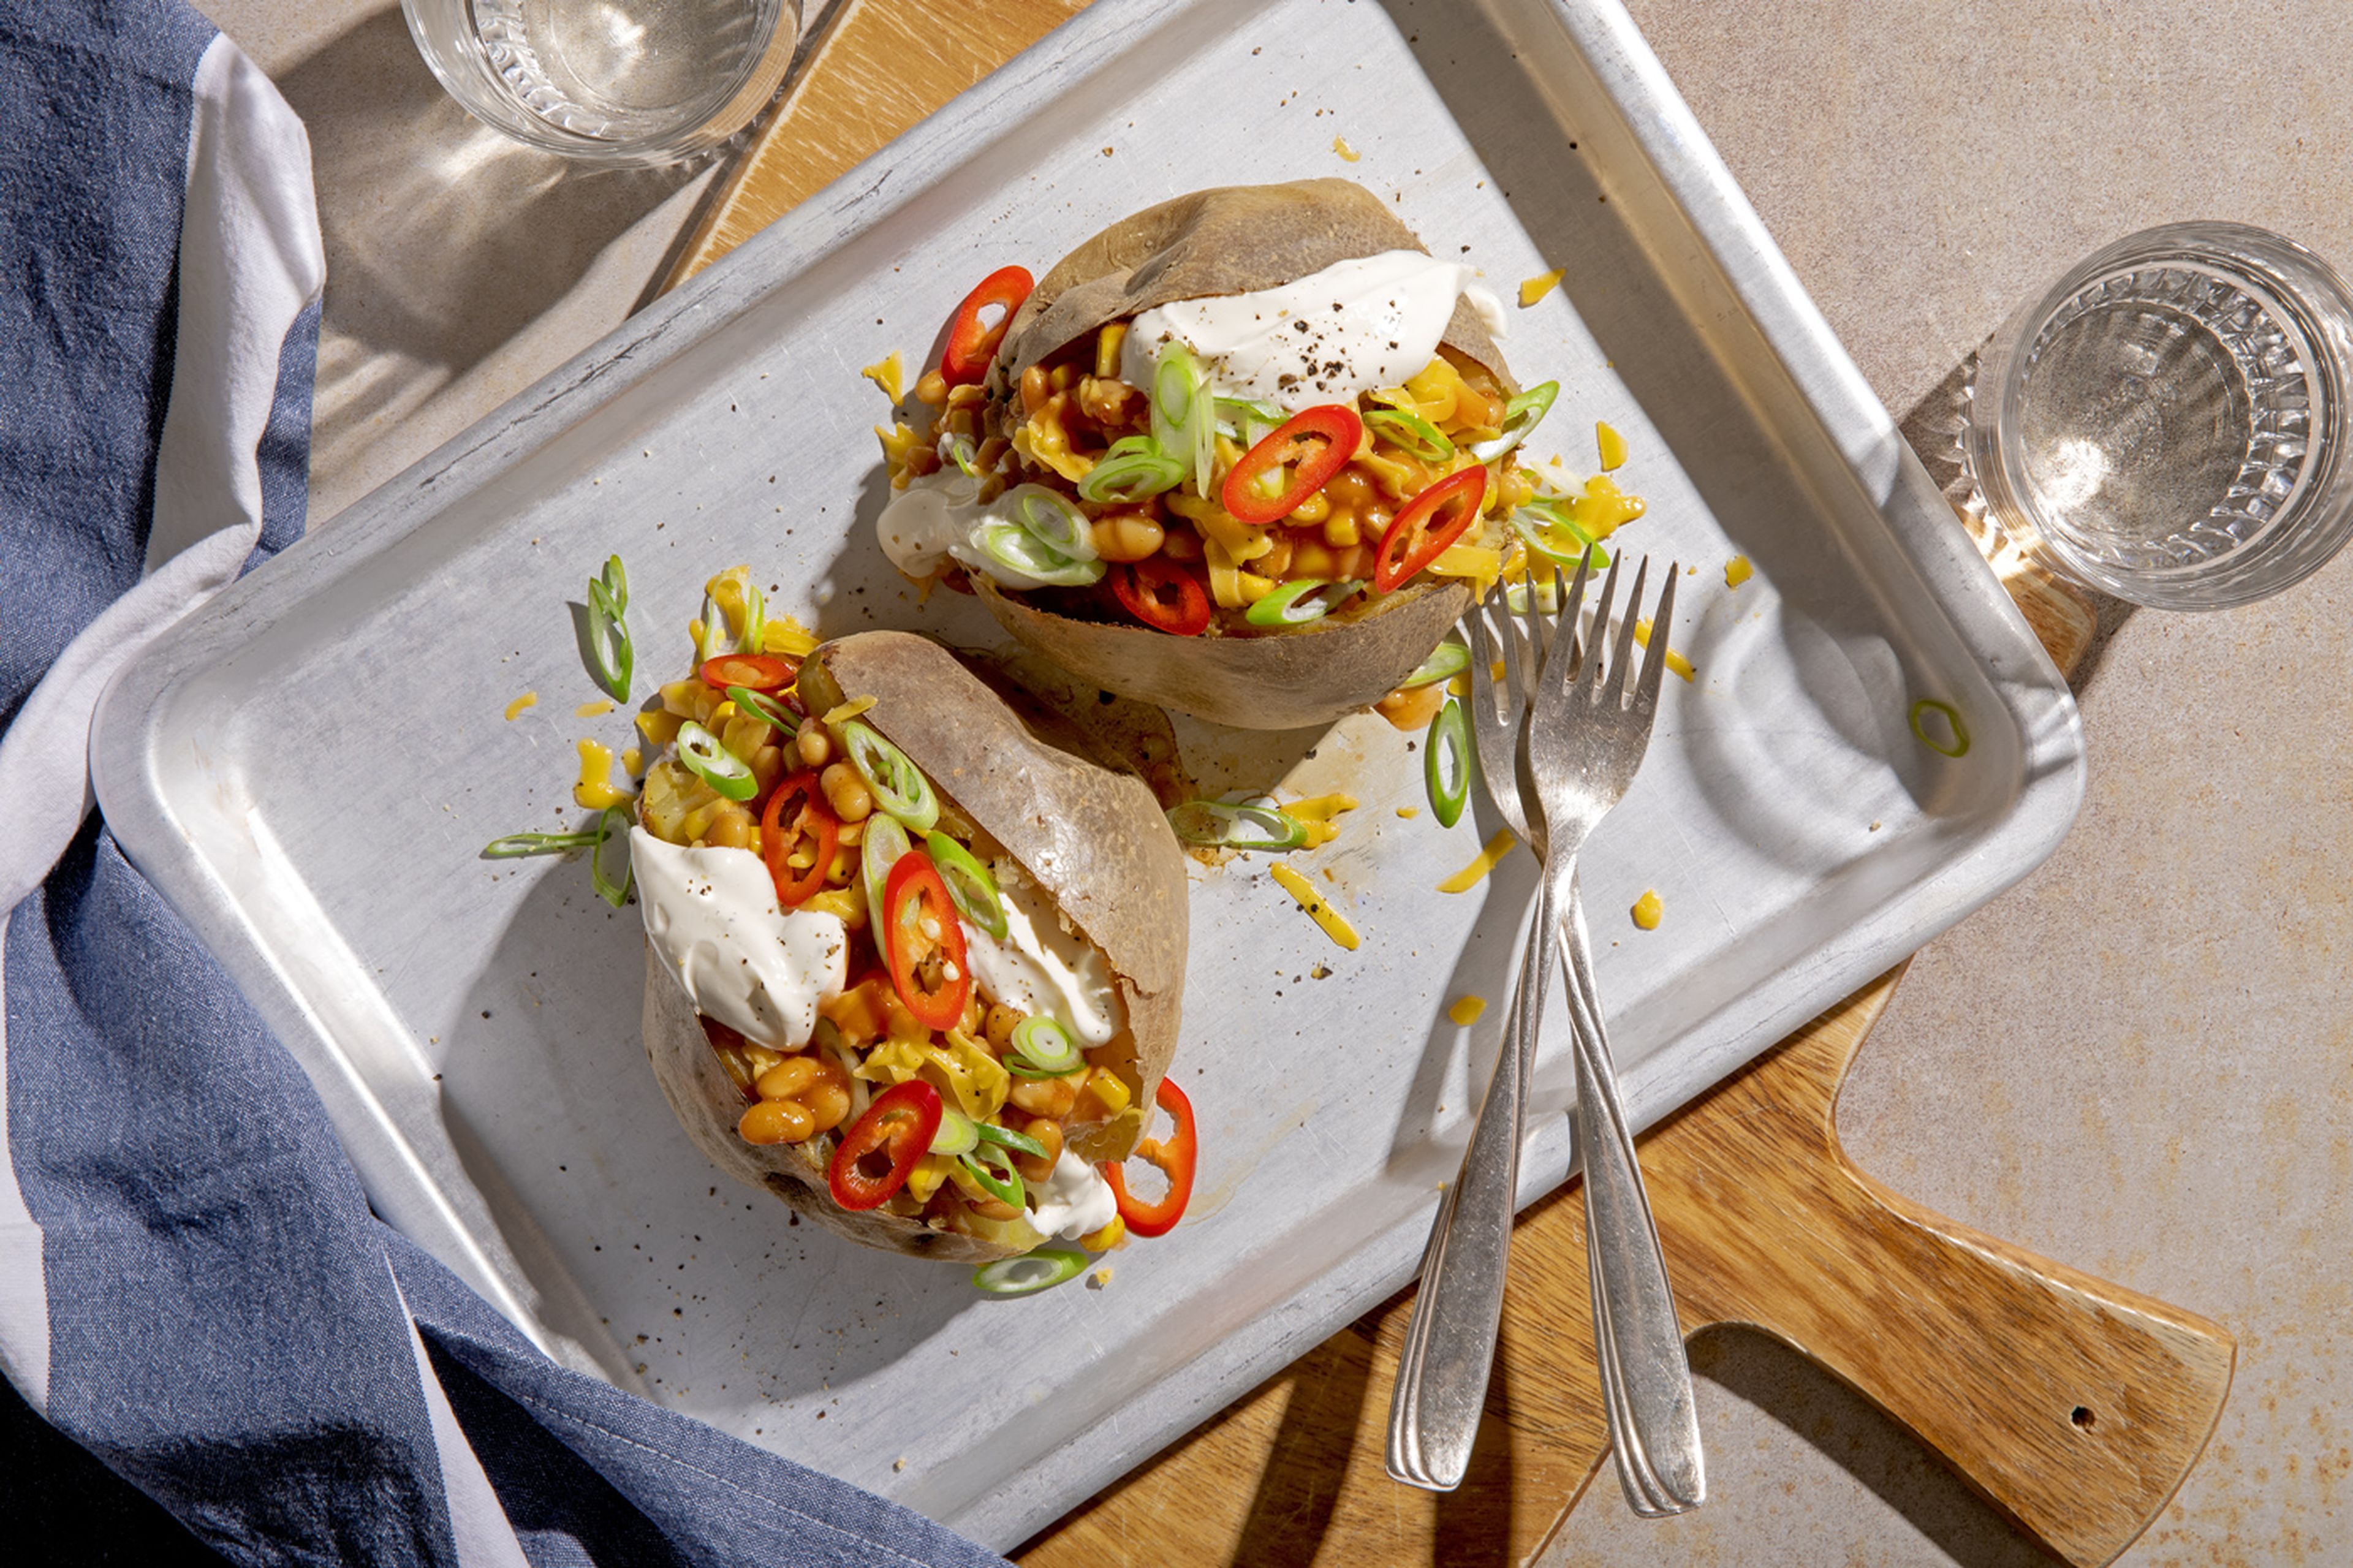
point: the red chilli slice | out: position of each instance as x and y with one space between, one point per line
1316 444
751 671
1412 542
973 343
1145 588
898 1128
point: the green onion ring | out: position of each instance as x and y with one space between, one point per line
1446 763
1542 536
1961 746
1300 601
616 578
1220 825
1515 597
613 826
1003 1183
961 453
1236 415
899 785
970 887
1048 517
1520 415
1133 468
882 845
1417 436
958 1135
1448 659
1184 414
1006 1138
515 845
1020 1068
766 709
1012 546
707 757
708 647
1041 1270
610 659
1042 1043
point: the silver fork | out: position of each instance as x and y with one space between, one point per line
1450 1346
1582 745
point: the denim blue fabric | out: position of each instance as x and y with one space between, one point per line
229 1326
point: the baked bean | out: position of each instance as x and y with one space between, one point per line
1038 1167
787 1079
1126 535
815 746
1035 389
1045 1096
932 387
1275 562
829 1105
846 793
777 1121
1350 490
998 1027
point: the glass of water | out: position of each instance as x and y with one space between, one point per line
609 81
2169 423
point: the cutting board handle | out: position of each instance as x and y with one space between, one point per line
2074 1405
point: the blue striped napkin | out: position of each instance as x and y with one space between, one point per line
192 1286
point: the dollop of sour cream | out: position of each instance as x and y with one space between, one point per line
1073 1201
1330 337
713 915
1041 967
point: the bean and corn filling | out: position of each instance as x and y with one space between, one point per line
849 828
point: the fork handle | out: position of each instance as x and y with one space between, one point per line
1450 1346
1659 1458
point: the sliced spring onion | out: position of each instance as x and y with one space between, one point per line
1446 763
1184 414
1416 434
1021 553
1004 1182
1515 597
765 708
755 619
1006 1138
1959 745
610 660
612 827
970 887
961 453
1448 659
707 757
616 578
515 845
899 785
883 845
958 1135
1300 601
1237 415
1520 415
1048 517
714 639
1029 1273
1135 468
1220 825
1042 1043
1547 529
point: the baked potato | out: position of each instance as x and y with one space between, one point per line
1248 455
1047 1034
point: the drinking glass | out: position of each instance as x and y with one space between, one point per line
609 81
2168 423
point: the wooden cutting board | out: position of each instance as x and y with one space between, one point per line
2074 1406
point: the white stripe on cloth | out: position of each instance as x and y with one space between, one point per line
250 261
477 1524
250 258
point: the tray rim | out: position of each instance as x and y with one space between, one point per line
2035 698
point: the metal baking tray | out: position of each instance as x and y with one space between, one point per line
309 766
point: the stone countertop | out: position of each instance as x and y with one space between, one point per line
2140 1060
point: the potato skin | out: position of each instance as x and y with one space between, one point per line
1235 239
1092 839
1287 682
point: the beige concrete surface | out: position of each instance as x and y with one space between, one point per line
2140 1061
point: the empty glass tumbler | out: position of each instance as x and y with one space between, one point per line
2168 423
609 81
